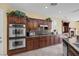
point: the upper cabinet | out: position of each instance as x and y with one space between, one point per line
35 23
65 27
16 20
16 17
32 24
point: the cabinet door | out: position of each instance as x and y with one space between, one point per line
22 20
30 25
29 44
16 20
48 41
36 43
42 42
11 20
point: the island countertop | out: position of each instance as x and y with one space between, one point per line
72 41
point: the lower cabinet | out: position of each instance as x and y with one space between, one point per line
48 40
36 42
39 42
42 42
29 44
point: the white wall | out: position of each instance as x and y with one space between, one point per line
57 24
1 32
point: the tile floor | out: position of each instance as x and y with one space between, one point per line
54 50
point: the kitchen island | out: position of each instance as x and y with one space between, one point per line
71 46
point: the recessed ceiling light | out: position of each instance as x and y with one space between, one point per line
46 7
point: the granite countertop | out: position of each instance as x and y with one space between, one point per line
72 42
39 35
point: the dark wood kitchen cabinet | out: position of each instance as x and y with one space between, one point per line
65 27
22 20
42 42
48 40
36 42
16 20
32 24
29 44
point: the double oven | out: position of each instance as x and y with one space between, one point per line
17 36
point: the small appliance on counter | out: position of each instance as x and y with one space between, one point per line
27 33
17 36
32 33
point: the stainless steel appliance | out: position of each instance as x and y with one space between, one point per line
17 30
18 43
17 34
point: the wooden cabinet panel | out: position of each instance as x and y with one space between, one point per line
48 40
11 20
65 27
29 44
36 43
32 24
22 20
16 20
12 52
42 41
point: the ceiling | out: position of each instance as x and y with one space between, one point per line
65 10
